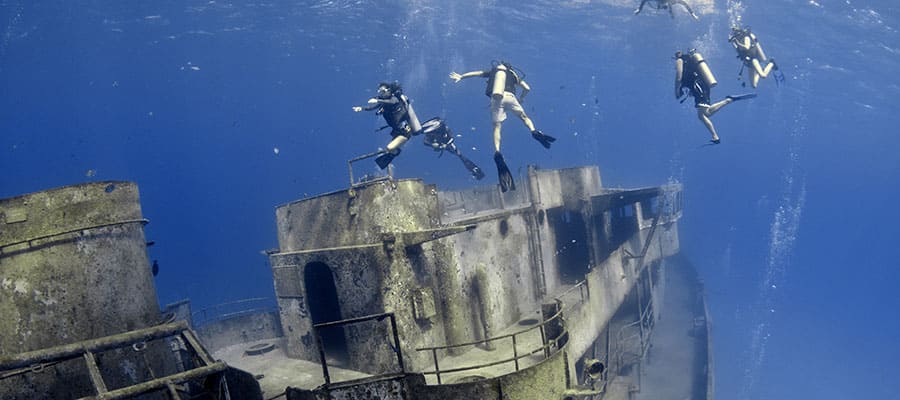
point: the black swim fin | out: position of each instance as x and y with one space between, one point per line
741 96
506 179
545 140
476 171
385 159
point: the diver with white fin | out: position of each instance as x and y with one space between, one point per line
397 111
502 82
751 54
692 73
668 5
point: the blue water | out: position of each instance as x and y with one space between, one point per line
222 110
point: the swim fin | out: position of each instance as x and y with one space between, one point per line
506 179
741 96
545 140
476 171
385 159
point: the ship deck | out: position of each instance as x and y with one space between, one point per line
675 366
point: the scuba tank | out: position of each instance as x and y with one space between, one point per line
414 126
499 85
703 70
760 54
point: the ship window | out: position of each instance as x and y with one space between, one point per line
572 247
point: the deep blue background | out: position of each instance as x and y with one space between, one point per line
793 220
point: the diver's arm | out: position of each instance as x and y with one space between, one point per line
375 103
744 44
372 105
525 90
471 74
679 71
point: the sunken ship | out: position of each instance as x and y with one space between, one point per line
387 289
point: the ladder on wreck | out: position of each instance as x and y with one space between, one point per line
35 361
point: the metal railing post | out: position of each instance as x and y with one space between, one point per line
322 356
544 343
515 352
437 370
397 343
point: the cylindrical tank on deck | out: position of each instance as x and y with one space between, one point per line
73 266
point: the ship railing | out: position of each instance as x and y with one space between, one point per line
584 294
30 242
231 309
644 322
374 317
137 341
366 178
546 347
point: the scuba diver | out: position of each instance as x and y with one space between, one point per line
751 54
692 73
667 5
397 111
439 137
502 80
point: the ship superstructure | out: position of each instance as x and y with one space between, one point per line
394 289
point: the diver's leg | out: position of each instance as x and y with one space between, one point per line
516 108
640 7
397 142
392 151
497 126
412 120
498 115
709 111
703 114
511 103
763 72
687 7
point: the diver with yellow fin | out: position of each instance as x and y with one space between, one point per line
397 111
502 82
692 73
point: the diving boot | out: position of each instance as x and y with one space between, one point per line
545 140
385 159
506 179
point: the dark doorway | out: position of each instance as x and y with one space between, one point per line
322 299
572 251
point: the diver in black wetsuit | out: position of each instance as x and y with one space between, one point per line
397 111
752 55
667 5
692 73
439 137
502 82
